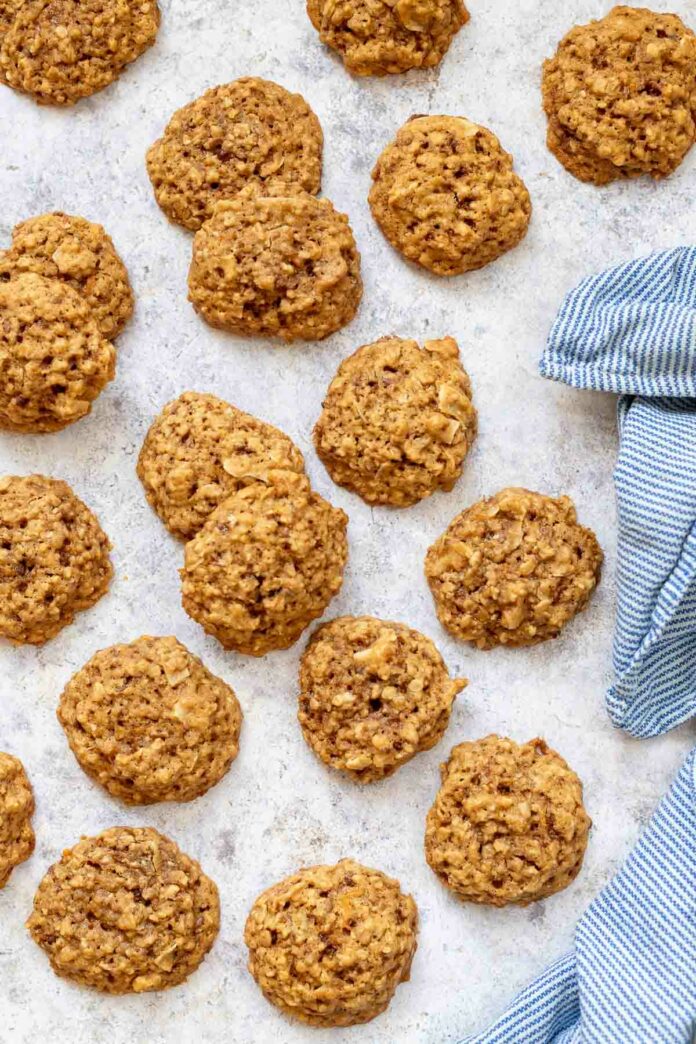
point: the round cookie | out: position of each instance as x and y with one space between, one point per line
397 421
199 451
373 694
150 723
248 131
59 51
16 810
445 195
513 569
377 37
620 96
81 254
54 558
125 912
330 944
276 266
508 824
266 563
54 362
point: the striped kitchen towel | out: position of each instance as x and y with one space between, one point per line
632 976
632 330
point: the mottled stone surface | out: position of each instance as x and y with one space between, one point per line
278 807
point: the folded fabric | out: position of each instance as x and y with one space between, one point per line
632 976
632 330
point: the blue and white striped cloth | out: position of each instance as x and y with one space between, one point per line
632 330
632 976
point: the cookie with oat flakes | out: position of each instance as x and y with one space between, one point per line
508 824
445 195
199 451
330 944
149 722
373 694
513 569
397 421
251 131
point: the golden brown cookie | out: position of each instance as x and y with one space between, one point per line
80 254
125 912
376 37
149 722
276 266
620 96
445 195
54 558
266 563
330 944
199 451
16 810
54 361
248 131
59 51
508 824
513 569
8 13
373 694
397 421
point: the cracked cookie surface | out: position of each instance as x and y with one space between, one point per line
446 197
373 694
79 253
248 131
397 421
265 564
54 558
149 722
125 912
513 569
59 51
508 824
276 266
16 809
620 96
54 361
377 37
199 451
330 944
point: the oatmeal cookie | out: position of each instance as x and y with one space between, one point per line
59 51
266 563
445 195
276 266
248 131
199 451
8 13
54 558
376 37
81 254
513 569
508 824
150 723
620 96
373 694
330 944
397 421
125 912
16 810
54 362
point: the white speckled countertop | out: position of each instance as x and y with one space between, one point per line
279 808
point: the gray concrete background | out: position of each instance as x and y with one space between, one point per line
279 808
